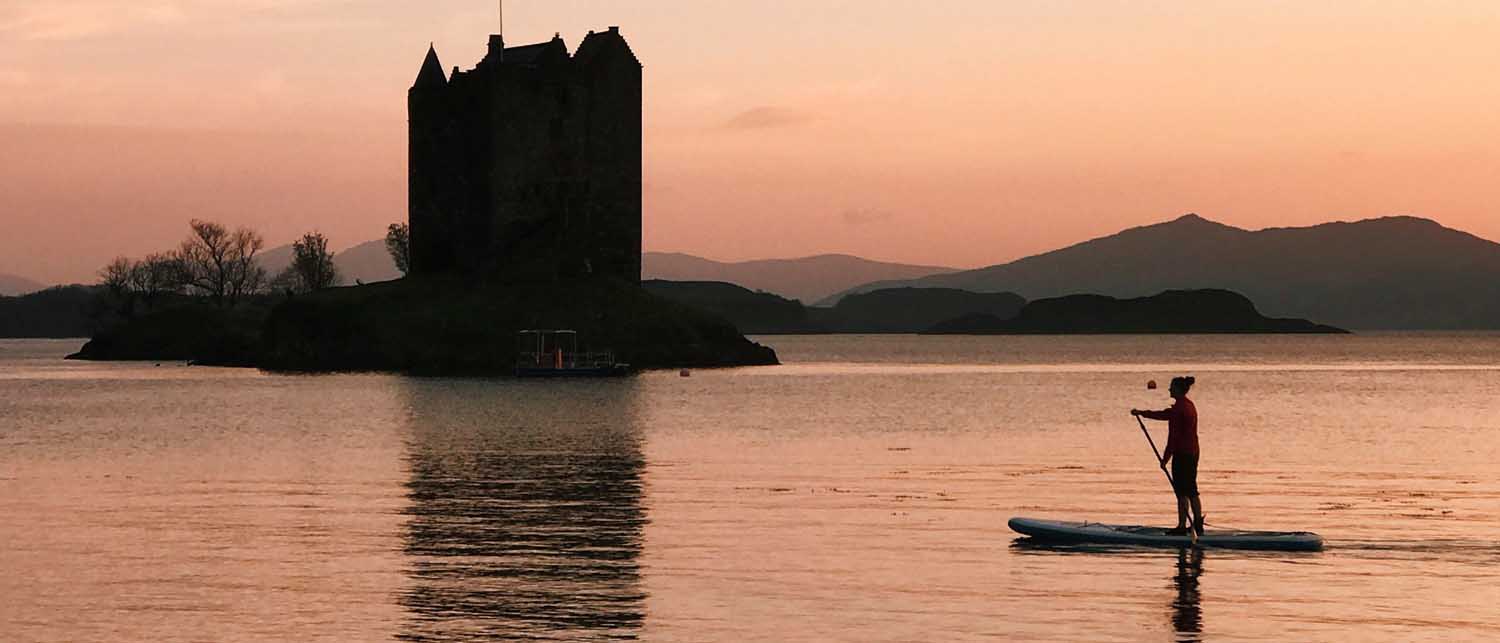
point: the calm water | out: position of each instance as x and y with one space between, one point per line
858 493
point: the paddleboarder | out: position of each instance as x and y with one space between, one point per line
1181 452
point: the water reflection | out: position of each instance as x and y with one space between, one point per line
526 515
1187 606
1187 600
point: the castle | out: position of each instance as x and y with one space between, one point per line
530 163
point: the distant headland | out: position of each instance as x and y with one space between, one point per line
1174 311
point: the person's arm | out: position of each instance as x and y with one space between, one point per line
1160 416
1163 415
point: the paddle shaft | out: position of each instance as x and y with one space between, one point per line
1156 451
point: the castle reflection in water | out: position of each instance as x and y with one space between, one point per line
525 515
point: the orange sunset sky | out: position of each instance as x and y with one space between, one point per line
955 132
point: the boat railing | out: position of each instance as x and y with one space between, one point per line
534 359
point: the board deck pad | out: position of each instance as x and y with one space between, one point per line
1063 531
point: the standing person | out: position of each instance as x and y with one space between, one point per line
1182 452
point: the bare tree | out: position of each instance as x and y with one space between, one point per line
246 277
117 277
157 275
221 264
312 266
398 243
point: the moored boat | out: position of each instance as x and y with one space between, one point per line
555 354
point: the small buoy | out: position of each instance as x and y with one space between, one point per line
686 373
1151 385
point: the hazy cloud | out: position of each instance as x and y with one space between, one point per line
14 78
767 117
865 216
271 81
53 20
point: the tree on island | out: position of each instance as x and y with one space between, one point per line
159 274
118 279
398 243
312 266
221 264
128 281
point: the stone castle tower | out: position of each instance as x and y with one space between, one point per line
530 163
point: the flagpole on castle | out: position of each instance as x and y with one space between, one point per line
502 18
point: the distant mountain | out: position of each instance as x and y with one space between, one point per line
276 259
12 285
367 262
808 279
1390 273
1174 311
913 310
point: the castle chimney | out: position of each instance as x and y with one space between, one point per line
497 48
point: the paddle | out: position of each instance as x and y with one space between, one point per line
1156 451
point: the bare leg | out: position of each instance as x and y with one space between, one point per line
1182 512
1197 508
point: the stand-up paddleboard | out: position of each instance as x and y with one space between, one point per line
1062 531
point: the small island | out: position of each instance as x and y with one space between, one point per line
508 230
1173 311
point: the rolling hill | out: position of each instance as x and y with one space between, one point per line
807 279
1387 273
12 285
913 310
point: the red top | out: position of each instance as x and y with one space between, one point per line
1182 427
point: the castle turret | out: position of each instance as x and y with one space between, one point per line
431 75
428 158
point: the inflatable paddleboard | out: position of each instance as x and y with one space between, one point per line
1062 531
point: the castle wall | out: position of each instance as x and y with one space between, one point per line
530 168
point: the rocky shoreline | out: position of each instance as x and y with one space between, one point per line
434 326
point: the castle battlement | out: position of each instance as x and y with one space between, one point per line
529 162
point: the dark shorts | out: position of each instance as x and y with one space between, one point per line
1185 475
